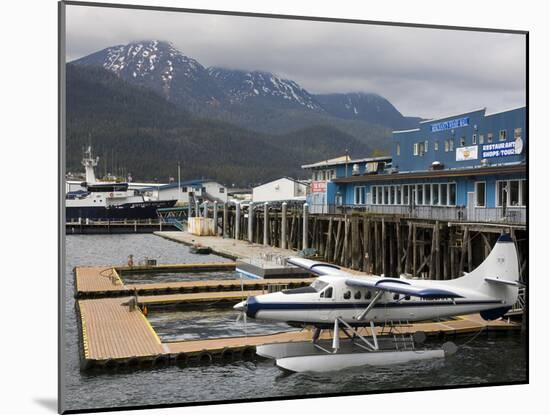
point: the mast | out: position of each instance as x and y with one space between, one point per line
89 163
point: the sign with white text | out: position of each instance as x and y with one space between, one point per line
318 186
498 150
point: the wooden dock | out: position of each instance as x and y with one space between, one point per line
108 281
114 335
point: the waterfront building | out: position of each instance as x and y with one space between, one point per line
201 190
280 190
470 167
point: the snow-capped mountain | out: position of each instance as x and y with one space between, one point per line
160 66
256 100
242 85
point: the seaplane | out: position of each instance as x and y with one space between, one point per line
356 305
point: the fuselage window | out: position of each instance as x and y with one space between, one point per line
347 295
357 295
368 295
407 297
396 297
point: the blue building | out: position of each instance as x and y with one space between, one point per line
469 166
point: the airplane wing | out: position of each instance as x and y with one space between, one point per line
318 268
397 286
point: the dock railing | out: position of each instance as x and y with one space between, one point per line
510 215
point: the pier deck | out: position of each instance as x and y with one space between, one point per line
112 334
228 247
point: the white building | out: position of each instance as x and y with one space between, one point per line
283 189
194 189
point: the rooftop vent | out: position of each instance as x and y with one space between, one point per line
437 165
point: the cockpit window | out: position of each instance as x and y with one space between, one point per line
319 285
327 293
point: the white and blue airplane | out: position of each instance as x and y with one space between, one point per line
340 300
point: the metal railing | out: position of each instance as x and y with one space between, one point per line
444 213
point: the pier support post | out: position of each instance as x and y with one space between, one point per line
215 216
205 209
305 232
237 219
250 222
224 225
196 209
189 209
266 222
283 226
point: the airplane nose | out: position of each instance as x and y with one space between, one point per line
240 306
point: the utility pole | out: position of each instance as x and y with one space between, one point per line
179 182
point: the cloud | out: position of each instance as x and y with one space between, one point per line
423 72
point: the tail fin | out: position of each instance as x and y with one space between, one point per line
498 275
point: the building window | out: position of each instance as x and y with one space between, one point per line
443 194
462 141
373 192
490 137
359 195
517 133
398 195
435 194
222 190
398 149
406 194
184 189
452 194
436 145
451 145
514 192
524 193
419 198
480 194
502 135
481 139
446 146
415 149
474 138
425 149
392 195
501 193
386 199
380 191
427 194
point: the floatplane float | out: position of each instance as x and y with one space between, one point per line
346 303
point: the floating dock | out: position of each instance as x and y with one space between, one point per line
116 227
116 334
106 281
113 335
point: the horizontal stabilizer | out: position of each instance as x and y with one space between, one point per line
497 280
401 287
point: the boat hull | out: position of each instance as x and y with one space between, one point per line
129 211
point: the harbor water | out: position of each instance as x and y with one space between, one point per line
481 360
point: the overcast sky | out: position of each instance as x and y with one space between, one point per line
423 72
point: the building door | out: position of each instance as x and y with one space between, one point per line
470 206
